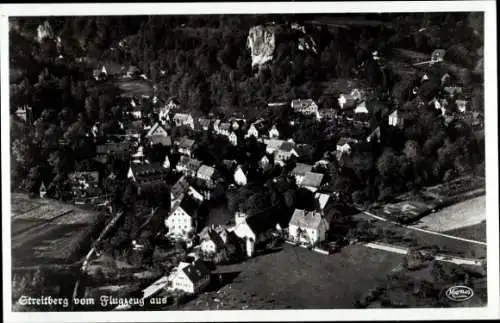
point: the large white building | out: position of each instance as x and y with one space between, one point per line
307 227
190 277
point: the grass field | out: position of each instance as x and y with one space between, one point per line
463 214
48 232
300 279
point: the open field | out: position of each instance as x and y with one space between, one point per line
463 214
301 279
49 232
475 232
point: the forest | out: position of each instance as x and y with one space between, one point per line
204 62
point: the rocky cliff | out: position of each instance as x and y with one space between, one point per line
261 42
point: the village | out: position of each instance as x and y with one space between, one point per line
183 195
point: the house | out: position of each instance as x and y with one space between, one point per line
344 144
274 133
252 229
264 162
240 178
158 135
204 124
374 136
188 166
191 278
361 108
300 171
181 188
306 107
395 119
42 190
312 181
147 175
184 119
327 113
285 152
25 113
211 240
223 129
307 227
461 105
453 90
252 132
182 218
185 146
207 175
346 101
322 200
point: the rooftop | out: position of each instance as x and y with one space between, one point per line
301 169
312 179
306 219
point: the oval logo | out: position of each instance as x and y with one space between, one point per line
459 293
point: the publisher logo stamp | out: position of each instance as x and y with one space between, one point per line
459 293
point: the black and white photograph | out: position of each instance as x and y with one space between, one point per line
288 157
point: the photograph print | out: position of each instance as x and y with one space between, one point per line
205 162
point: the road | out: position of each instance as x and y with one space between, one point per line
439 257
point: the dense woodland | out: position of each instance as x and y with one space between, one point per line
208 68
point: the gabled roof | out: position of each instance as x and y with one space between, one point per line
179 188
160 139
312 179
191 163
301 169
185 142
157 129
196 271
322 199
206 171
306 219
189 204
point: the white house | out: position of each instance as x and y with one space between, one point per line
184 119
233 139
239 176
206 174
344 144
243 231
307 227
306 107
361 108
190 277
252 131
395 119
461 105
274 133
180 220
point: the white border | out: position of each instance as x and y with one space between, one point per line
491 135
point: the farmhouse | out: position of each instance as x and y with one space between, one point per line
158 135
300 171
188 166
183 119
181 221
312 181
191 278
307 227
306 107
